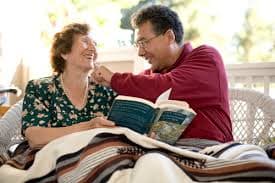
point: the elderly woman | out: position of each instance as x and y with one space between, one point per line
67 101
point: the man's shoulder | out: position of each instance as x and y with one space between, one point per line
146 72
205 48
204 52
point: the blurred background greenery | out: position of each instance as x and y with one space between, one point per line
243 30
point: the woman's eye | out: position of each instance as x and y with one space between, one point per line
94 43
86 41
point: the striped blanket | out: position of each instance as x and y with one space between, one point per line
121 155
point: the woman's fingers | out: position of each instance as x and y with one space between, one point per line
101 122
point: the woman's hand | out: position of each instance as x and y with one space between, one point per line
101 122
97 122
152 135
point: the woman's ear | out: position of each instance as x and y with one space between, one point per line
64 56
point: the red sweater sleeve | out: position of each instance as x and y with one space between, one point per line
144 86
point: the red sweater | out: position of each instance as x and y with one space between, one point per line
197 77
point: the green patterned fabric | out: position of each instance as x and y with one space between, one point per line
46 104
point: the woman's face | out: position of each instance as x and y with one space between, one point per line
83 53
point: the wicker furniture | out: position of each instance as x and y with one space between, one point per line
10 127
253 116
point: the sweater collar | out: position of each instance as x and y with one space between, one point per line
187 49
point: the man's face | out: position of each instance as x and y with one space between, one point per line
151 46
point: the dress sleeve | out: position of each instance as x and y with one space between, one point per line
36 105
103 100
110 96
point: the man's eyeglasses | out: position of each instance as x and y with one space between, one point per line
144 42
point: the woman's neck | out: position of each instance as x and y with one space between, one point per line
75 85
75 79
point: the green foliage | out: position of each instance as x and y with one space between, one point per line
127 13
255 42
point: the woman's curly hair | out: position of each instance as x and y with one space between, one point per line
63 42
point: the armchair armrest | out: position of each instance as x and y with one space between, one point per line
13 90
4 91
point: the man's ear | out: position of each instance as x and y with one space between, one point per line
171 35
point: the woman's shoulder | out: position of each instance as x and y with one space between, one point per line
44 81
100 90
98 87
42 84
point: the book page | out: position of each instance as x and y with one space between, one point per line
164 96
173 104
164 99
128 98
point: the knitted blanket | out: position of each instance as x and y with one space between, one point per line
121 155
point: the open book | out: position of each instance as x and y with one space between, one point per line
166 118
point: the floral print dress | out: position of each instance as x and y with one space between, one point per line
46 104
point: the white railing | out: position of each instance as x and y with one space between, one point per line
260 76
